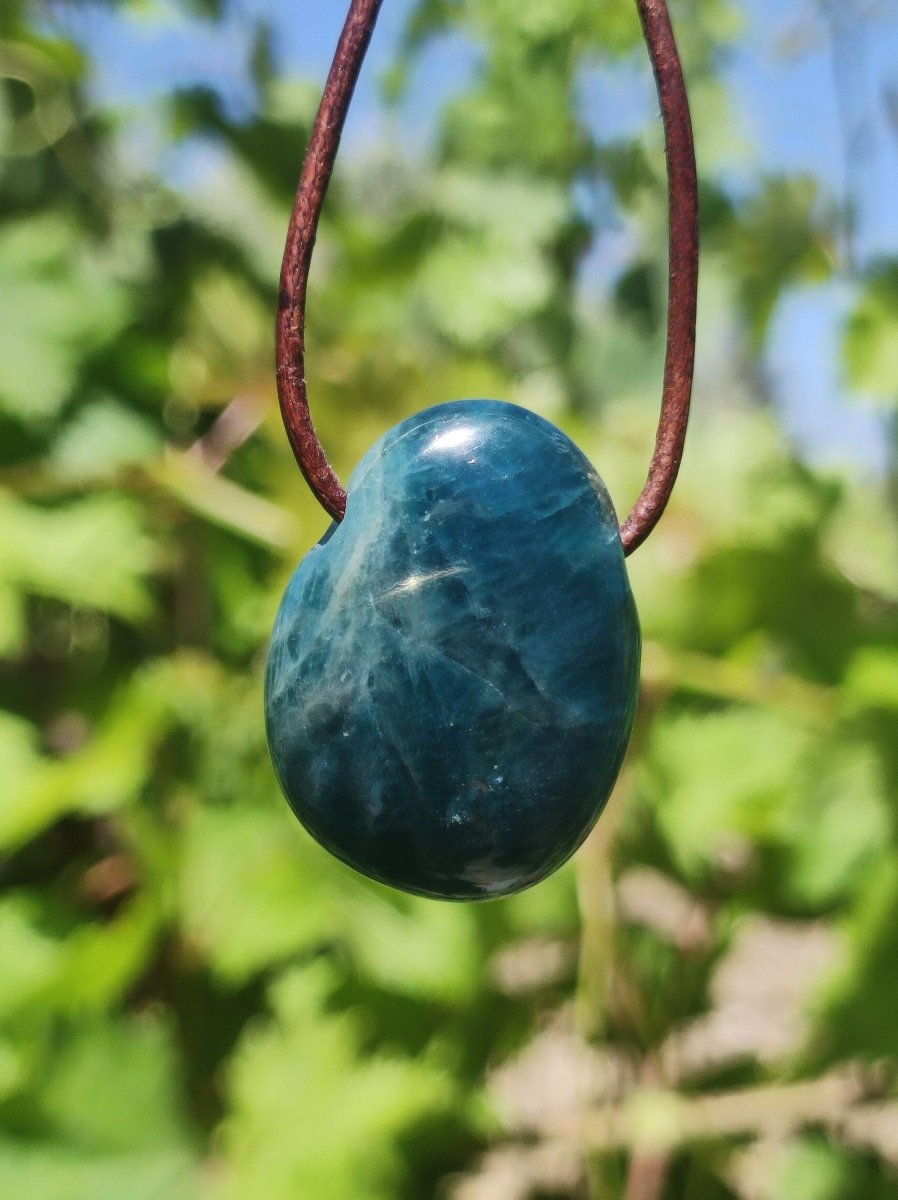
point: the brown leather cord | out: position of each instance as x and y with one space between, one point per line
683 278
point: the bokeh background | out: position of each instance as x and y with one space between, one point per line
196 1002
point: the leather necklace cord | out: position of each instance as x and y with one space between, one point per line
683 265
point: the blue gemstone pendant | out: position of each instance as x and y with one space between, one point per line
453 672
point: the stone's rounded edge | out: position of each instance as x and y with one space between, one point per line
457 896
631 689
501 409
462 890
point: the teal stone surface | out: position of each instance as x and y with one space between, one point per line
453 672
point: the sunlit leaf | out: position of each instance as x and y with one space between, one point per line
103 437
871 337
720 778
93 553
841 825
309 1116
57 305
858 1012
254 890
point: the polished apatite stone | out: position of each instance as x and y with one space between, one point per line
453 672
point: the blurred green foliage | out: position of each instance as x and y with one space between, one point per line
195 1000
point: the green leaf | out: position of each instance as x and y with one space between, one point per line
110 771
513 209
810 1169
475 290
102 438
311 1115
92 553
102 1120
720 778
870 344
106 1061
872 680
417 948
859 1012
226 344
37 954
103 961
12 621
842 824
871 561
783 238
47 1171
66 967
18 751
59 303
254 889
